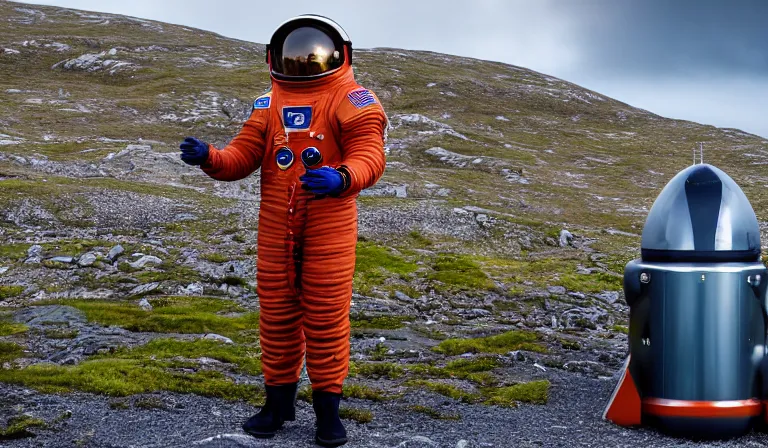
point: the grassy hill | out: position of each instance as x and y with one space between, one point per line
459 243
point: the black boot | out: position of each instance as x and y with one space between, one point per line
330 431
280 407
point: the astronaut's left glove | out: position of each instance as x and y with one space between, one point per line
325 181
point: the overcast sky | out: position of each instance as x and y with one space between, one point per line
699 60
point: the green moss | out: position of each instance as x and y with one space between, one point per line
536 392
591 283
18 427
417 240
364 392
445 390
8 328
620 328
376 370
570 345
359 415
13 251
245 358
148 403
434 413
9 351
123 377
502 343
171 315
361 320
459 272
10 292
374 264
215 257
61 333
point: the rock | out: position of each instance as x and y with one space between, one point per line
115 252
145 305
193 289
35 251
145 260
462 444
65 260
403 297
218 337
418 441
475 313
556 289
481 218
565 238
33 260
3 270
609 296
144 289
87 259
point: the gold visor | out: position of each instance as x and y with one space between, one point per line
307 51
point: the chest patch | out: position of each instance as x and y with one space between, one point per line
361 98
297 118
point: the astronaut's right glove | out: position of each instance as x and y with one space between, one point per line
194 151
325 180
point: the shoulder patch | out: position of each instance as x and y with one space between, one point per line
262 102
361 97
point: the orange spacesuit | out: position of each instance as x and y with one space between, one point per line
306 242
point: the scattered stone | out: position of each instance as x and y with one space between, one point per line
418 441
193 289
481 218
556 289
144 289
87 259
3 269
218 337
609 296
403 297
65 260
145 305
565 238
539 366
145 260
115 252
35 251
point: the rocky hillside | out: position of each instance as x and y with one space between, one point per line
487 301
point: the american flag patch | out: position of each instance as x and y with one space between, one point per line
361 98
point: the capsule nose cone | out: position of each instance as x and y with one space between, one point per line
701 215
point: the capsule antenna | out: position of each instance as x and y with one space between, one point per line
701 151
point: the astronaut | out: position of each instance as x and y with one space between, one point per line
318 137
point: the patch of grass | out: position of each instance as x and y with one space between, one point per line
620 328
171 315
502 343
9 351
376 370
570 345
361 320
362 416
476 370
591 283
434 413
375 264
18 427
123 377
214 257
417 240
8 328
119 404
364 392
445 390
150 402
459 272
14 251
61 333
536 392
10 291
245 358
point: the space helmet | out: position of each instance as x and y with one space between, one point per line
308 47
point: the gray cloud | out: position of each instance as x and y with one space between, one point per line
702 60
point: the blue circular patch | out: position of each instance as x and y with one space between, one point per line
284 158
311 156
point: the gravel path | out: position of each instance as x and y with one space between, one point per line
571 418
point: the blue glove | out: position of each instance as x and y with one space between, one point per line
325 180
194 151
